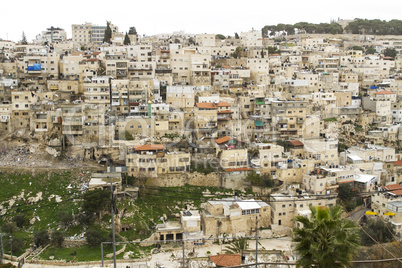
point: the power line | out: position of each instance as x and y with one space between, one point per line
399 259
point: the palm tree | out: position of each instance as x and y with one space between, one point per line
325 239
236 246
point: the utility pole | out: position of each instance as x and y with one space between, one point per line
183 255
2 249
11 247
114 238
256 241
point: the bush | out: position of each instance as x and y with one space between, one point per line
258 180
128 136
65 219
41 238
20 220
57 239
94 237
379 230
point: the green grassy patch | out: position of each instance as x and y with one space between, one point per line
332 119
80 253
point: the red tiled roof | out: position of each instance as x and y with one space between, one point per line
225 112
224 139
226 260
237 169
226 66
206 105
384 92
296 143
397 192
149 147
398 163
223 104
345 182
391 187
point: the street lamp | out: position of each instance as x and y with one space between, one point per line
11 247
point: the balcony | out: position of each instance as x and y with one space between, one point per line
174 120
163 71
72 132
209 125
121 73
72 122
224 117
300 121
121 65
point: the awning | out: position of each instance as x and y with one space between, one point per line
371 213
389 214
258 123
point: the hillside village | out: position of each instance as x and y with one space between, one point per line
309 111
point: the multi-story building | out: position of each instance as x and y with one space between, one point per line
97 91
84 34
234 217
154 160
387 203
52 35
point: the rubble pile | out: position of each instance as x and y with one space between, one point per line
23 157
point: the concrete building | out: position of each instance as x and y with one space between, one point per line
234 217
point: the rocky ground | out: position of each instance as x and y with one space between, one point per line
35 157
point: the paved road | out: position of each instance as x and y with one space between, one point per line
358 214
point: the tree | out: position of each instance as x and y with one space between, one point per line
379 230
258 180
273 50
345 192
24 39
65 219
94 237
191 41
237 36
20 220
390 52
108 34
132 31
236 246
370 50
325 239
126 41
57 239
96 201
357 48
220 37
238 53
41 238
14 243
349 197
9 227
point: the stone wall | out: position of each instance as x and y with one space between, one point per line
225 180
181 179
